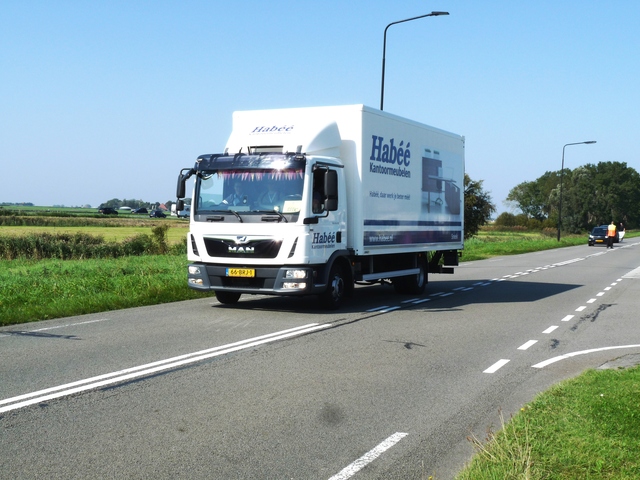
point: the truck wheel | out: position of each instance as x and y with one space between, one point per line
332 298
228 297
413 284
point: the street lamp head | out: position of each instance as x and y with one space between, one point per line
591 141
384 45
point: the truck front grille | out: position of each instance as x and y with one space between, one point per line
268 248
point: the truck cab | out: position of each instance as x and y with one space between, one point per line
265 223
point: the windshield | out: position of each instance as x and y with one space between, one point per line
249 191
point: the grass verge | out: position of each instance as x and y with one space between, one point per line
584 428
44 289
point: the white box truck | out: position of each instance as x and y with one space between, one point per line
311 201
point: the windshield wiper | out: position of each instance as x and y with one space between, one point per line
272 218
220 218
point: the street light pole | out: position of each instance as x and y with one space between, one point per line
384 46
561 175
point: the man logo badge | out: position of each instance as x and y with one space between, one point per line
241 240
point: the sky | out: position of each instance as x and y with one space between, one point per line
110 99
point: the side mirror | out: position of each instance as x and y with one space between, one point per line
181 187
182 180
180 205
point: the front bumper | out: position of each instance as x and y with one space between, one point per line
279 280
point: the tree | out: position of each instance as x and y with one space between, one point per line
477 206
598 194
534 199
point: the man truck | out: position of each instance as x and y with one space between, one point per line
312 201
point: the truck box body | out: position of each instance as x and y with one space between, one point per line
400 173
399 194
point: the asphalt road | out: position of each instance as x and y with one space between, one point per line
390 387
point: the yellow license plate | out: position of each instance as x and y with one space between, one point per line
241 272
599 241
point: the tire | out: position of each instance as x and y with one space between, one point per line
333 297
413 284
228 298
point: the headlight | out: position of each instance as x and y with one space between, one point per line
194 270
295 274
294 286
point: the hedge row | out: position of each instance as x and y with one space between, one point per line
66 246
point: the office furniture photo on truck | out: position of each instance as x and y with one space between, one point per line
312 201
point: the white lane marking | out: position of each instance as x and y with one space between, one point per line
389 309
567 262
550 329
599 294
378 308
567 318
582 352
369 457
496 366
54 328
579 309
141 370
591 300
422 300
383 309
527 345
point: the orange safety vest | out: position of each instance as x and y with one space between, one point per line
611 231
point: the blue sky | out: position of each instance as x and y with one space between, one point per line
110 99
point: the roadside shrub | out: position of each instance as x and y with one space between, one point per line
65 246
137 245
505 219
160 239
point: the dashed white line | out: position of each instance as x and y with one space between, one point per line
378 309
550 329
496 366
580 309
567 318
592 300
525 346
422 300
369 457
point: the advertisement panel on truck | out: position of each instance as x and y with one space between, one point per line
413 177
